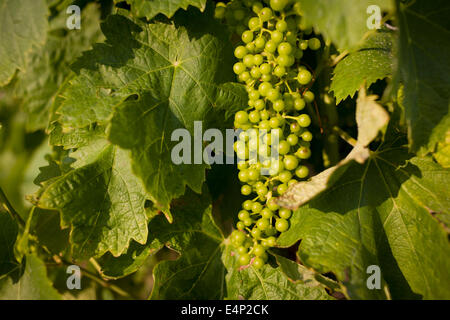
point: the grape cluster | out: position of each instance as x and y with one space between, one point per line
278 89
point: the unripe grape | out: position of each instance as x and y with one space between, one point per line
304 77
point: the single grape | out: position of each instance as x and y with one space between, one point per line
278 5
258 263
239 68
282 188
307 136
243 214
246 190
258 250
285 213
240 52
292 139
266 14
304 77
272 204
308 96
281 26
266 213
244 259
303 153
262 224
314 44
254 23
302 172
285 176
282 225
299 104
304 120
277 36
285 48
247 36
290 162
284 147
241 117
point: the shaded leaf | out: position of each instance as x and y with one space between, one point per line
424 68
150 8
24 25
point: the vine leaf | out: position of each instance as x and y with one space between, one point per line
424 68
268 283
32 283
8 231
24 25
378 213
199 273
49 66
343 22
373 60
148 81
150 8
101 199
371 119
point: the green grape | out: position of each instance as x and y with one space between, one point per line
258 263
308 96
284 147
307 136
248 60
240 52
257 207
273 94
278 105
260 43
247 36
271 46
281 26
274 123
299 104
241 250
244 259
243 176
264 115
258 250
292 139
240 225
248 222
302 172
304 77
243 214
262 224
304 120
277 36
241 117
267 213
239 68
259 105
246 190
278 5
238 237
265 14
257 7
264 88
303 153
282 188
271 241
303 45
258 59
290 162
314 44
285 48
272 204
255 73
279 71
254 23
256 233
253 94
247 205
242 166
295 127
285 213
282 225
219 12
265 68
285 176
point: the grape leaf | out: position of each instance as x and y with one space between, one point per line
199 273
8 232
32 285
24 25
379 214
424 68
343 22
49 66
371 119
442 154
152 79
150 8
372 61
268 283
101 199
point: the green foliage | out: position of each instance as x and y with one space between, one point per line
424 55
372 61
28 19
150 8
86 170
343 22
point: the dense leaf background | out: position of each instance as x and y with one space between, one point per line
86 175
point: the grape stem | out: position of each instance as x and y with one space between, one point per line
345 136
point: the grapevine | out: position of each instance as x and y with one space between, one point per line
270 65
